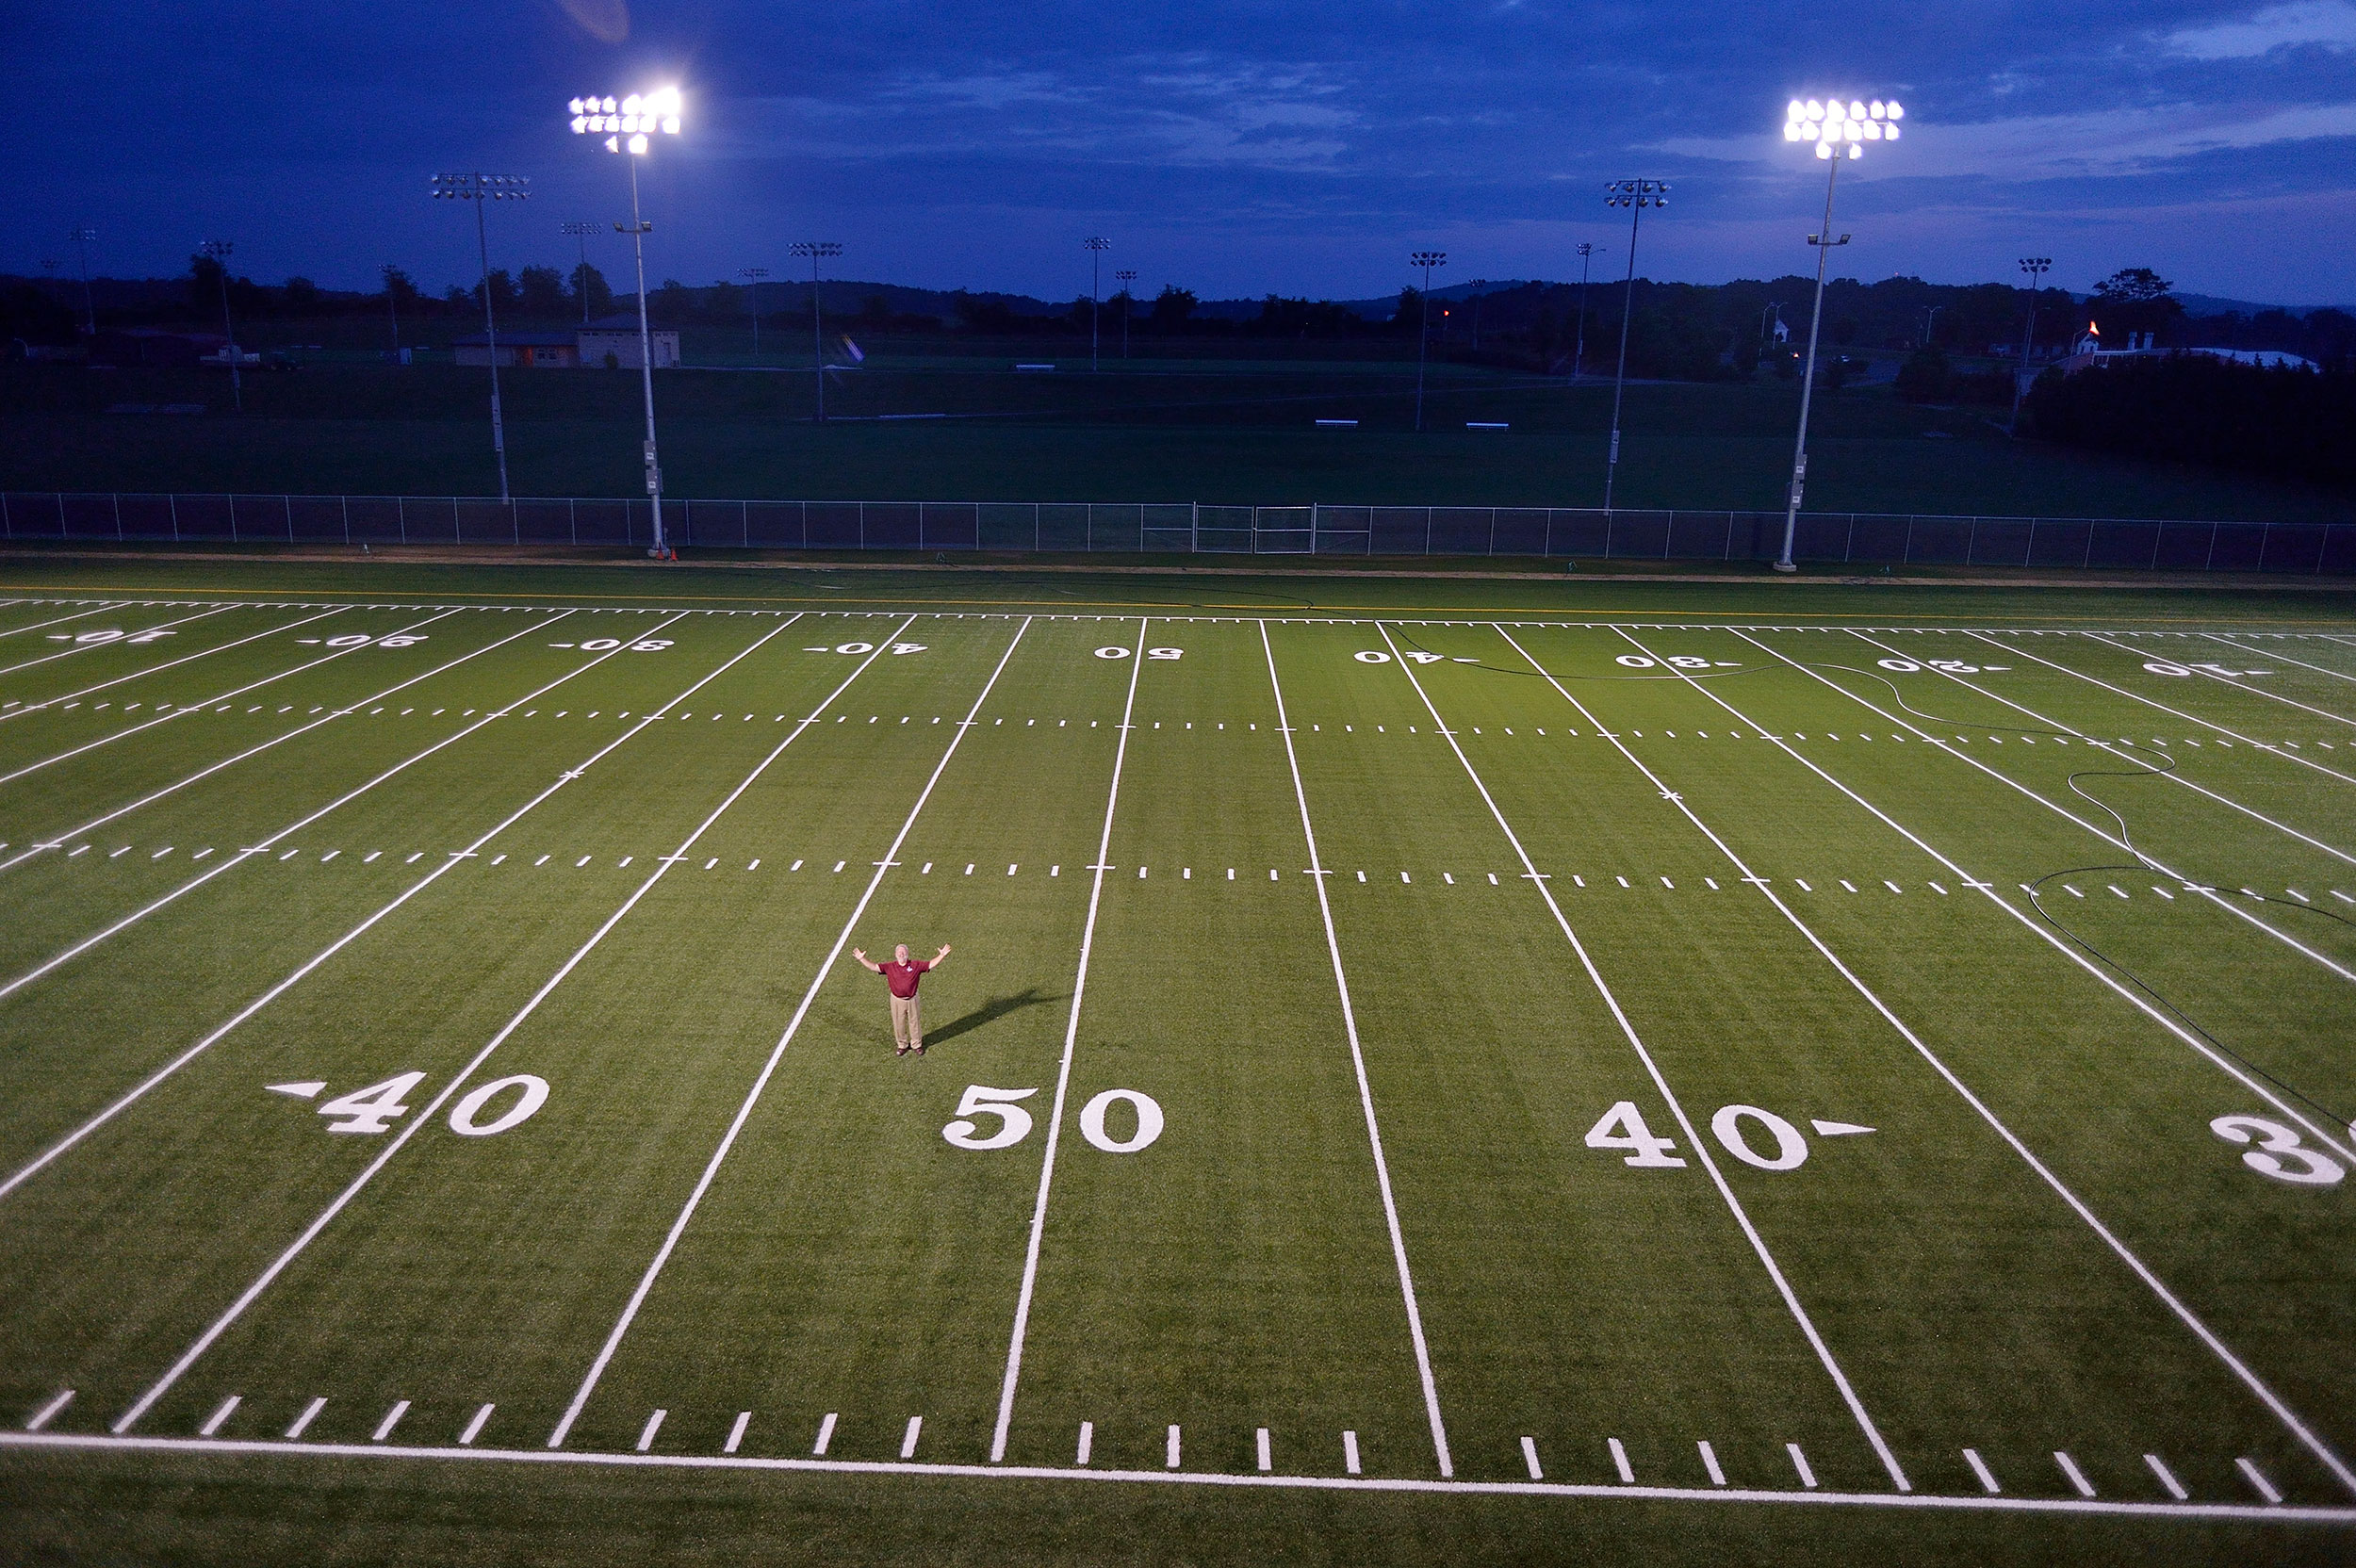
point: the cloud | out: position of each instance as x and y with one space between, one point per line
2101 142
2328 23
607 21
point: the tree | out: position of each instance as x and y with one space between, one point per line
2134 300
671 302
204 283
1172 308
543 291
401 287
302 296
505 297
590 283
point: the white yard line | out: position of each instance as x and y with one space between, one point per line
752 1096
2249 1378
2332 1136
249 851
2158 705
425 1117
2143 856
2273 653
2231 682
1661 1083
1063 1070
2101 743
128 638
1365 1092
211 768
273 1450
449 863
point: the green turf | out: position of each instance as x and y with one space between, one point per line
477 853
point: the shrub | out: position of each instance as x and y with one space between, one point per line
2198 409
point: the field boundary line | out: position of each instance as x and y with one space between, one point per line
210 768
2278 1513
760 1083
249 851
2265 746
2225 641
1366 1091
2232 684
1661 1083
409 1130
2203 890
1020 1328
449 863
2331 1138
2112 748
61 620
2192 1320
116 641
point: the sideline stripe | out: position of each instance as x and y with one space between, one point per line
2261 1513
744 1112
2249 1378
343 1199
449 863
1063 1070
1693 1137
1365 1092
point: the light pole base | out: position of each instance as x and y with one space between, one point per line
1784 566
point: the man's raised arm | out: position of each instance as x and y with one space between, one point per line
940 956
860 954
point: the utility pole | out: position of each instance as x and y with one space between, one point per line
1479 284
81 238
1126 276
580 274
482 189
752 276
1426 260
2036 266
817 251
1097 245
392 303
220 250
1586 252
1635 195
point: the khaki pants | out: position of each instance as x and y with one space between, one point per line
907 1024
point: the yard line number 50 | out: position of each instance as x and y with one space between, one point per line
1014 1122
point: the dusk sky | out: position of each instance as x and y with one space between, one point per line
1294 146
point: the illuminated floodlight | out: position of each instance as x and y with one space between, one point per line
1839 129
630 124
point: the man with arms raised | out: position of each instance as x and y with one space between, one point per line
900 974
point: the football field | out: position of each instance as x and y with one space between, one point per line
1788 1081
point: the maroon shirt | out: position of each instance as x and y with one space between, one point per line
902 977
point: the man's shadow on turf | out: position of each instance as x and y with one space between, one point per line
990 1012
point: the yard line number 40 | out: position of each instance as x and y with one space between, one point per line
486 1111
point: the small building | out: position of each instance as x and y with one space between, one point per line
519 350
613 340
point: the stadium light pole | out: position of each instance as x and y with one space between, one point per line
817 251
1840 131
220 250
1426 260
2037 267
392 303
81 238
1479 284
752 276
1635 195
482 189
1126 276
1580 353
631 127
1097 245
581 231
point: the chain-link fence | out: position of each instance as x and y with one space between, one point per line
1185 528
